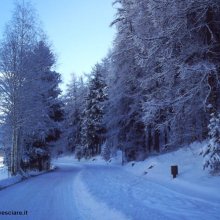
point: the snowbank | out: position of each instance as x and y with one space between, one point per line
10 181
7 180
192 179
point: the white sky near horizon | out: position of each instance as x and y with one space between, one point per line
78 30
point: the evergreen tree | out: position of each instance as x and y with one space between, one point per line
93 132
106 152
46 125
211 152
75 104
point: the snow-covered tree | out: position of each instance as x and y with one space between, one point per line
164 68
47 109
211 151
19 39
74 107
28 87
126 130
106 151
93 130
173 41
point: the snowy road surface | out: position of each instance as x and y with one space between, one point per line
99 192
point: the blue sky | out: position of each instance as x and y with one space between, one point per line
78 29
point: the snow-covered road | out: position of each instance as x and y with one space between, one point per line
49 196
101 192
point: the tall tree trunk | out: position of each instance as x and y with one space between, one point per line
165 136
12 164
212 105
14 153
157 140
149 129
204 126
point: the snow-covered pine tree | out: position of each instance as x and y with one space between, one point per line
106 151
46 124
93 131
74 107
211 151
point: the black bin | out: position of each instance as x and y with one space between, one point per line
174 170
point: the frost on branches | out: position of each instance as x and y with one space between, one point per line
211 152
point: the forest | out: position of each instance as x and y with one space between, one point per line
155 91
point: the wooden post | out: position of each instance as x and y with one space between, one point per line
174 170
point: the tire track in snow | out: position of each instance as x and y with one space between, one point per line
90 208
